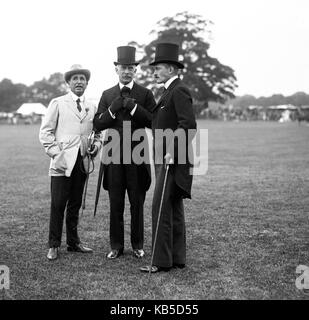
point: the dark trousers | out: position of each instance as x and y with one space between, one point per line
122 178
171 239
66 193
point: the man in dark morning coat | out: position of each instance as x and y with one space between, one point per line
126 103
173 111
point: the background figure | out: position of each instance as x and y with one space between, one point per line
173 111
63 133
126 103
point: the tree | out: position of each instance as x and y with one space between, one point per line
45 90
299 99
206 77
12 95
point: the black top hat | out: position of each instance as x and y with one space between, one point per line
126 55
76 69
167 53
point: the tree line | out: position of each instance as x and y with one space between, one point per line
13 95
297 99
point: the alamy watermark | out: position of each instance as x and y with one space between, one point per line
4 277
302 281
184 146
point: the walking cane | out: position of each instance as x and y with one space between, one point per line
85 187
159 216
100 178
90 141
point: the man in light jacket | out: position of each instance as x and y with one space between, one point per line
64 135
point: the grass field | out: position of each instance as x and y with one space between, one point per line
247 224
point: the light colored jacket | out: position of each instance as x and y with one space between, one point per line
64 131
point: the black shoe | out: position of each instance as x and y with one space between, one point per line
114 254
138 253
79 248
154 269
179 265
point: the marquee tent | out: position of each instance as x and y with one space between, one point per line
27 109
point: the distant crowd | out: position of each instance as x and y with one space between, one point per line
254 113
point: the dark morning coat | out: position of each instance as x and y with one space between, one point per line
174 110
140 119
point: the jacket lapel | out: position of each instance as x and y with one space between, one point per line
72 105
167 91
135 91
85 111
115 91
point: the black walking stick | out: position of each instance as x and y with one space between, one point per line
100 178
86 185
87 170
159 216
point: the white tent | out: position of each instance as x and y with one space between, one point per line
283 107
31 108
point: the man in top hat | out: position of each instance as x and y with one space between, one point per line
127 104
173 111
64 133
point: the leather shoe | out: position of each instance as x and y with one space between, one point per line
114 254
154 269
79 248
138 253
179 265
52 254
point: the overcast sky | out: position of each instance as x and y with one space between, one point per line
266 42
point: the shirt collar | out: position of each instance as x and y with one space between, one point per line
129 85
75 97
169 81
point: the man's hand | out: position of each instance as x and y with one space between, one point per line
116 105
129 103
93 151
168 159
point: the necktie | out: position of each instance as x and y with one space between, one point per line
162 91
125 92
79 108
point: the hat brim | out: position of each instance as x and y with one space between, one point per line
69 74
126 63
177 63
